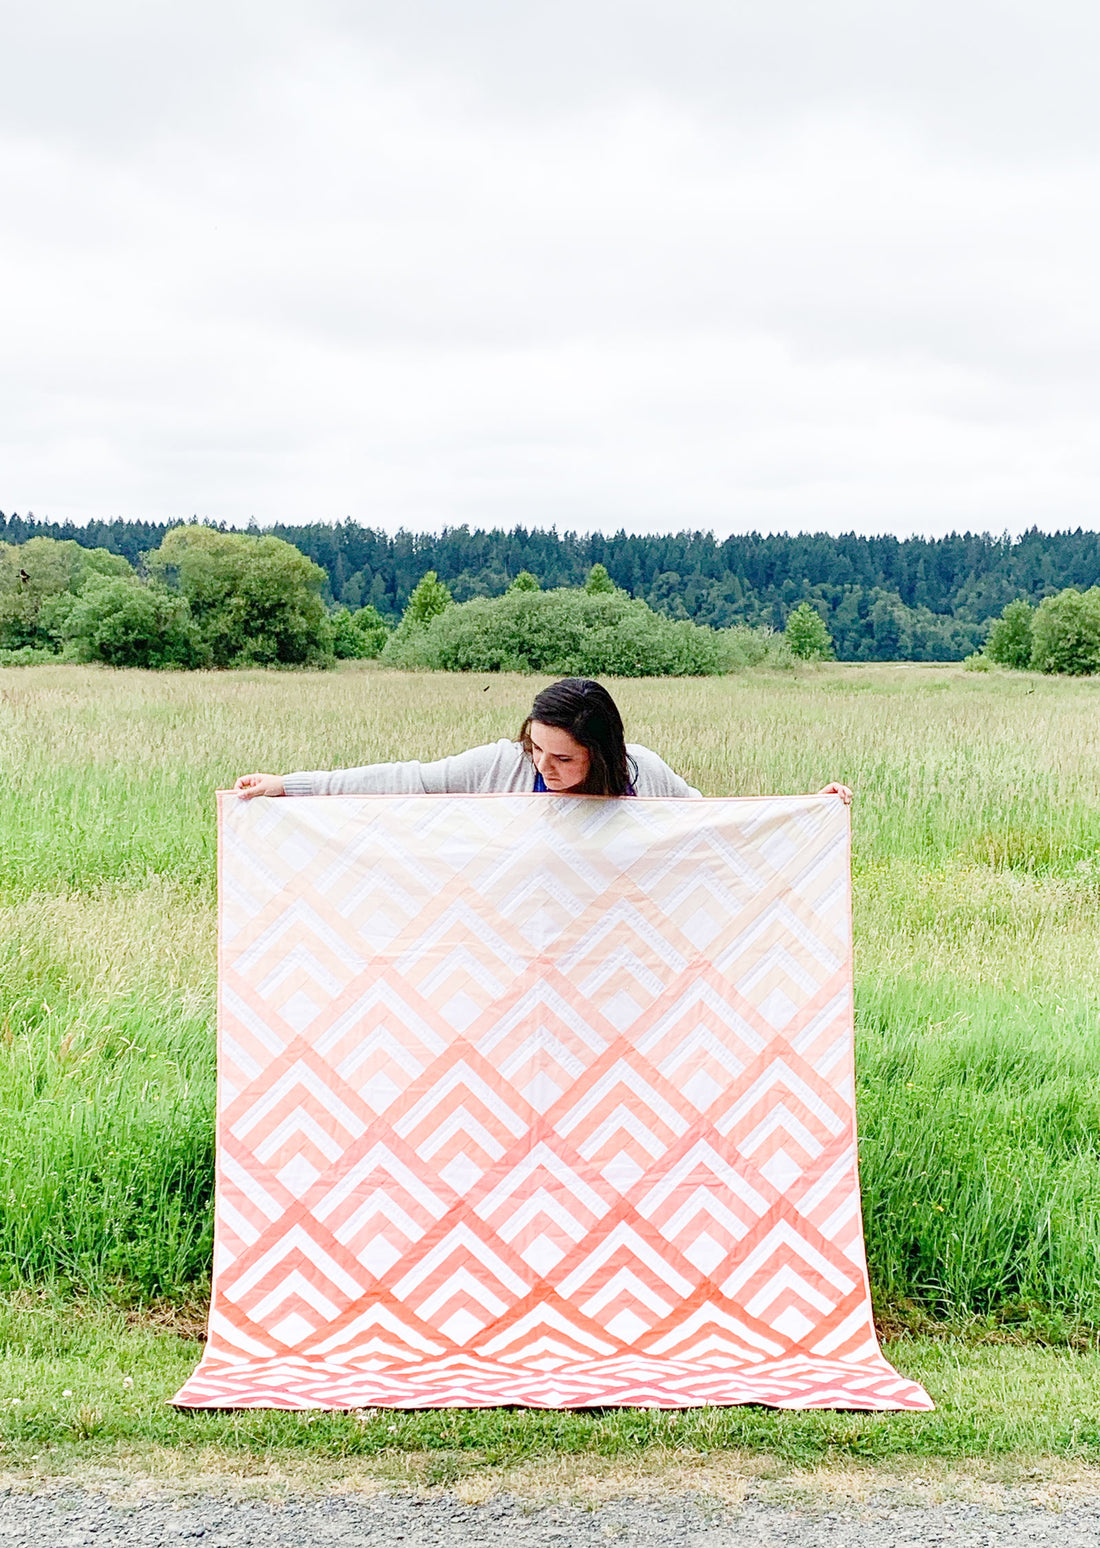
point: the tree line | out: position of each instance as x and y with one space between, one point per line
211 598
880 598
208 598
203 598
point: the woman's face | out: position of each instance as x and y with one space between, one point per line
559 757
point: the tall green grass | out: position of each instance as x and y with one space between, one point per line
977 907
107 1093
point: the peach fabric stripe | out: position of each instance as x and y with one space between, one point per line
537 1100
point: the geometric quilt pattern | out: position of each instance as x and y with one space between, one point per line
539 1100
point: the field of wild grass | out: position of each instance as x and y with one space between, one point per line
977 912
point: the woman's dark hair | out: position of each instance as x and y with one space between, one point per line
588 712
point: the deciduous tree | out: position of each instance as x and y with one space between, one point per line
1065 633
34 577
255 600
1010 641
807 635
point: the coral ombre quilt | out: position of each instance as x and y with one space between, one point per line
537 1100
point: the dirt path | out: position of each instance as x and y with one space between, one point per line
74 1517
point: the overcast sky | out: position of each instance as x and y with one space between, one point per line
737 264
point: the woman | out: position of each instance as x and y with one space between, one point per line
572 741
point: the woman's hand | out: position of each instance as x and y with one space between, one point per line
250 785
841 790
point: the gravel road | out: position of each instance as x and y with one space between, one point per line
71 1517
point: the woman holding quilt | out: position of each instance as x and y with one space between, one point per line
572 742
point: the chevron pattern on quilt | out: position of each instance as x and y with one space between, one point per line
537 1100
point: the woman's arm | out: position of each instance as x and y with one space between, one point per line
501 766
467 773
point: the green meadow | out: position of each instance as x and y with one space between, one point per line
977 915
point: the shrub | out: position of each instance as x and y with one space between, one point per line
749 647
977 662
125 623
1065 633
525 581
358 635
347 642
27 655
373 628
566 633
807 635
1010 639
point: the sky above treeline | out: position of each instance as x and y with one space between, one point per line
737 266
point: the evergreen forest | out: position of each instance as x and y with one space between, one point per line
882 598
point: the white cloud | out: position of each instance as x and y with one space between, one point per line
636 265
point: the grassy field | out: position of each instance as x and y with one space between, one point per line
977 901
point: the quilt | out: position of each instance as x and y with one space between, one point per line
539 1100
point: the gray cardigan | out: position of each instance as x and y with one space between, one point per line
501 767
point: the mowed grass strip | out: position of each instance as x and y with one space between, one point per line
977 904
81 1384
